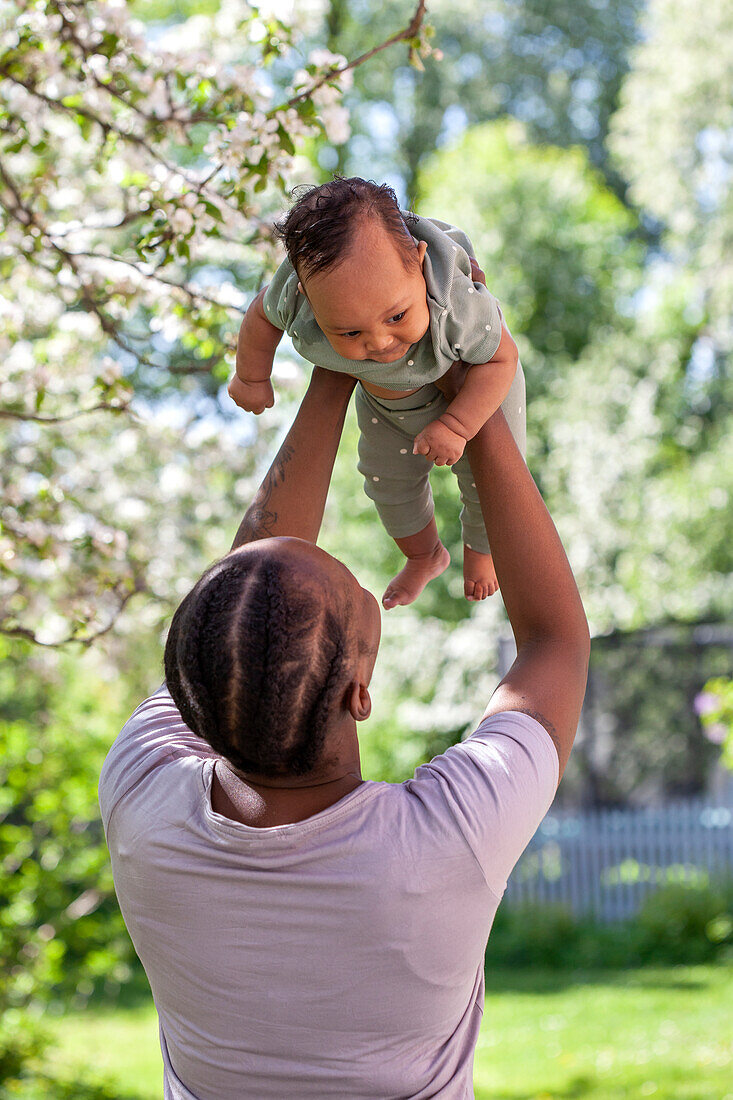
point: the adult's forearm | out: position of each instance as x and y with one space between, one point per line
537 584
292 496
548 677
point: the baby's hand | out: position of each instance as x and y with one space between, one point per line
438 443
253 397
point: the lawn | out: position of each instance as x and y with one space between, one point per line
663 1033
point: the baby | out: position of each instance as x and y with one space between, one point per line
390 298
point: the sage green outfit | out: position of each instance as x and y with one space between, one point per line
465 323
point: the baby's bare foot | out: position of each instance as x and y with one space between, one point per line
410 581
479 576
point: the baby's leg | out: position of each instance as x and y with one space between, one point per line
479 576
397 481
426 557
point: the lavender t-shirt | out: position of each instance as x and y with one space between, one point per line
340 956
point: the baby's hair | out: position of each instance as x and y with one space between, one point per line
319 228
255 661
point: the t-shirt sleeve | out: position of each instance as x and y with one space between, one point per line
473 321
456 235
472 317
495 787
280 300
154 735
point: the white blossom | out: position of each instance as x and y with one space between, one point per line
336 122
181 221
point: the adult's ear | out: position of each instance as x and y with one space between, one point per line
359 701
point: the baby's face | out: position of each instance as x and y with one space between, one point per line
369 306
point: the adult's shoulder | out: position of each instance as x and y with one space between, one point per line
494 788
154 736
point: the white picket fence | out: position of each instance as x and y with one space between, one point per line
604 862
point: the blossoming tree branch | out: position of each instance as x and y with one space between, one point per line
137 173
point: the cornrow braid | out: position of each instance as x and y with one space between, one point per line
318 230
255 664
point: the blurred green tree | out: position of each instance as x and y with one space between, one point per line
674 145
557 246
61 932
556 67
714 705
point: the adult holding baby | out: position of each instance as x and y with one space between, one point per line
308 933
392 299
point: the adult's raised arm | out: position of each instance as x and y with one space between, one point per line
548 677
292 496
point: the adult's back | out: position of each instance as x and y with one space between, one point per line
307 933
337 956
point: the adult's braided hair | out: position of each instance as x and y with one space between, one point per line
318 230
255 661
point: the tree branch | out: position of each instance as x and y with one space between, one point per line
7 414
409 32
106 127
193 294
86 640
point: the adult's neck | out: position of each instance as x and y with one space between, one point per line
263 800
262 805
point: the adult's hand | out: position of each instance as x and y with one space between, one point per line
451 382
476 273
292 496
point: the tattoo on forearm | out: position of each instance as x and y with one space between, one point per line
257 524
259 520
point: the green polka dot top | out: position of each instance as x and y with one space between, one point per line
465 322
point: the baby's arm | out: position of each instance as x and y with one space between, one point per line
250 387
485 387
483 391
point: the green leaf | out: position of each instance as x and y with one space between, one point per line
85 125
212 210
287 142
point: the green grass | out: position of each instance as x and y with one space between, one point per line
121 1046
661 1032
